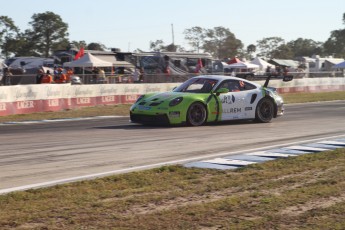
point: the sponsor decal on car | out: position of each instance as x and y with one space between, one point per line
248 108
143 107
232 110
175 114
228 99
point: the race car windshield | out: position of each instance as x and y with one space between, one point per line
197 85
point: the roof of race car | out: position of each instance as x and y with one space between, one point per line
224 77
218 77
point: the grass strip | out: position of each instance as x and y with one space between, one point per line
123 110
304 192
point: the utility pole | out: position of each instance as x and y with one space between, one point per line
172 32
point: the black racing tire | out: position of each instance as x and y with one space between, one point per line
264 111
196 114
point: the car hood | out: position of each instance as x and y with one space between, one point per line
165 96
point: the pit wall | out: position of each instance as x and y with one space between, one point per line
22 99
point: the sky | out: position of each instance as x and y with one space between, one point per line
133 24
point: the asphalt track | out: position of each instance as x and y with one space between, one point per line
46 153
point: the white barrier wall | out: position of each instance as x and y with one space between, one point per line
20 99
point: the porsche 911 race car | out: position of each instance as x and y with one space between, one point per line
209 98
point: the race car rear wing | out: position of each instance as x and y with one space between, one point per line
285 78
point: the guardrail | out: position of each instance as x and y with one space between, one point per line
25 79
20 99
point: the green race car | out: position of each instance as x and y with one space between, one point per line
209 98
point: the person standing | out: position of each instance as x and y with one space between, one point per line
94 75
39 76
69 74
55 73
285 71
141 74
135 76
61 77
101 76
47 78
7 76
268 71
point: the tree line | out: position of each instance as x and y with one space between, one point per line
49 33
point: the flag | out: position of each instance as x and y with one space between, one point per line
199 66
200 63
79 54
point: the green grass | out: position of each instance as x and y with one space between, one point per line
313 97
109 110
123 110
304 192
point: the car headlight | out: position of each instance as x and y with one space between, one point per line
176 101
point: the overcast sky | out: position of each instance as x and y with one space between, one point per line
132 24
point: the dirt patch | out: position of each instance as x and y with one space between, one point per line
312 204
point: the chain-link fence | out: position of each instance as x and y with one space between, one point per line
25 79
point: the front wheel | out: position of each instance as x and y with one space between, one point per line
196 114
264 111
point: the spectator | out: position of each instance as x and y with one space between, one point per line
141 74
69 74
268 70
279 70
101 76
47 78
94 75
7 76
55 73
39 76
286 71
135 75
60 77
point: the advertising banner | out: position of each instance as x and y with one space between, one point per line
21 99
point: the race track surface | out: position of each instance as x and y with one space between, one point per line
45 152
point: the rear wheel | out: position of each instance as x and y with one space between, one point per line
196 114
264 111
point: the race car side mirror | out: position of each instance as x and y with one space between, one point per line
288 78
222 90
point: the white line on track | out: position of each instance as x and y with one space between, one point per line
57 120
126 170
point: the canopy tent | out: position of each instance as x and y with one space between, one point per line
3 65
116 63
88 60
234 60
241 65
284 62
329 63
261 63
340 65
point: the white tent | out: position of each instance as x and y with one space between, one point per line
88 60
340 65
2 64
261 63
241 65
